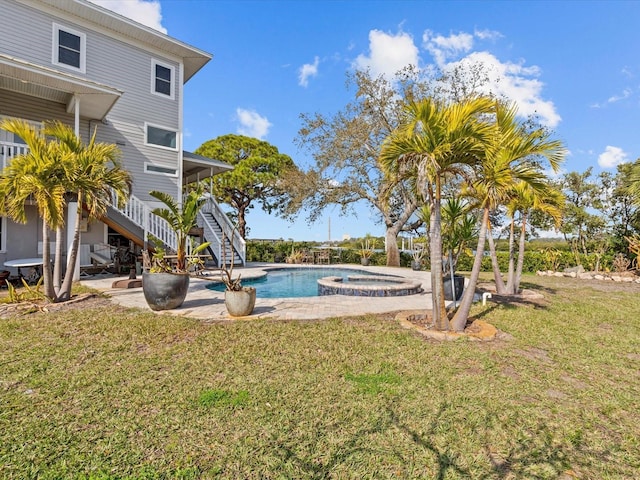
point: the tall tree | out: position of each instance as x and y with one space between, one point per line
346 149
92 175
511 155
36 174
57 167
582 195
525 200
437 140
259 175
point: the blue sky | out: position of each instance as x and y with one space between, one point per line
575 63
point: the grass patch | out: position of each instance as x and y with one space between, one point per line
114 393
223 398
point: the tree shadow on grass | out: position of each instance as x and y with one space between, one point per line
536 450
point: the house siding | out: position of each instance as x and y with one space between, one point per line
117 55
109 61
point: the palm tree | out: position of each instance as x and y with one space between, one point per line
34 175
436 140
182 220
510 157
525 199
94 175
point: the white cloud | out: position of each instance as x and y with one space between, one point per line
146 12
612 156
388 53
252 124
626 93
517 82
487 34
308 70
443 48
514 81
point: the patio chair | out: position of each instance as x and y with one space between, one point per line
323 256
101 257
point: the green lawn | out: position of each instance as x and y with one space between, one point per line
110 393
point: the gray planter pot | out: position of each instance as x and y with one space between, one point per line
458 282
165 291
364 261
240 303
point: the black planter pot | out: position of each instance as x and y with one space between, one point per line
458 282
165 291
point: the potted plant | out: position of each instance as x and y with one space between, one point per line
238 300
459 227
366 250
166 283
417 254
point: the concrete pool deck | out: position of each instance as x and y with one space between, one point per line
208 304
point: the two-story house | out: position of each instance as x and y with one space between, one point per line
74 61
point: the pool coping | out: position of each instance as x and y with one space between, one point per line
206 304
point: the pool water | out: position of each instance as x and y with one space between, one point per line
292 282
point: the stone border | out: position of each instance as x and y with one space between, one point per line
477 331
582 275
335 286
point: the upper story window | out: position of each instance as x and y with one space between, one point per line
161 137
69 47
162 79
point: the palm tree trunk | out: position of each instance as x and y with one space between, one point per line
439 312
57 266
65 291
518 276
512 254
46 263
459 320
497 274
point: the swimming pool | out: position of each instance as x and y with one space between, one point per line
303 282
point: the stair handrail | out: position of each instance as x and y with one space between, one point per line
138 212
230 232
210 235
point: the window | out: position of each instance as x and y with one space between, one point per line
159 169
162 79
161 137
69 47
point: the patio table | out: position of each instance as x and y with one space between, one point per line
36 268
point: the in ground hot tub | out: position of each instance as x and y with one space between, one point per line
367 286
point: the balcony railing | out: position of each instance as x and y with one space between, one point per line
8 150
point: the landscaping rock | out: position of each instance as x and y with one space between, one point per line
576 270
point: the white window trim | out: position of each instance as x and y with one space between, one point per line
164 174
146 130
83 48
155 62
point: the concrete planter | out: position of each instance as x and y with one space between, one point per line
165 291
240 303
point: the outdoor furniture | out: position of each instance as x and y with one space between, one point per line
323 256
35 265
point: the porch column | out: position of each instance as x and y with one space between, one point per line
77 116
72 213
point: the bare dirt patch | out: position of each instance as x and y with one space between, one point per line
81 301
